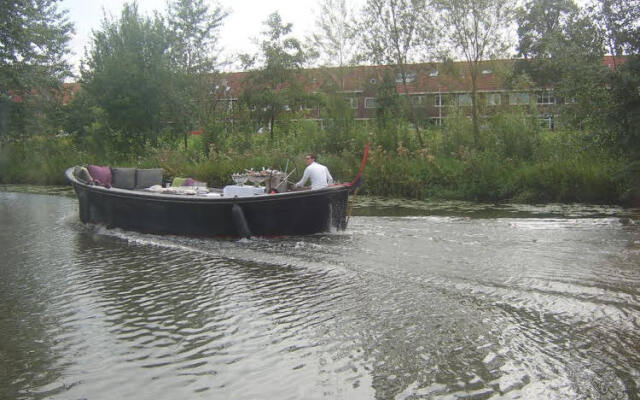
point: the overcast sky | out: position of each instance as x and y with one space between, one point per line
244 23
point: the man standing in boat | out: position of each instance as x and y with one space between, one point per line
318 173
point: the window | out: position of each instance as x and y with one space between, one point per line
419 100
410 77
353 102
437 121
494 99
370 102
441 100
545 97
486 71
465 99
433 73
519 99
546 121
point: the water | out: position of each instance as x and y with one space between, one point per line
414 301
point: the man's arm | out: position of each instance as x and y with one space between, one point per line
305 177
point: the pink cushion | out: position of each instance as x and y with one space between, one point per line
101 175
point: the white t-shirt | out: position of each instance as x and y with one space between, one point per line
319 175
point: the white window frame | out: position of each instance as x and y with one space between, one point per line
545 97
409 76
465 100
519 99
437 102
419 100
546 121
368 100
492 97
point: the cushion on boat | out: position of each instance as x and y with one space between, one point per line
82 174
123 178
189 182
177 181
193 182
146 178
101 175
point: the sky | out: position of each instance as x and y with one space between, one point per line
243 24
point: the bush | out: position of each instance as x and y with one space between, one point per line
518 162
39 160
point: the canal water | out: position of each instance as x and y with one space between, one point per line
415 300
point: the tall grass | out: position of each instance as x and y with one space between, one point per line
517 160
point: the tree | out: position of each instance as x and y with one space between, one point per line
542 25
620 23
563 49
477 30
620 20
126 76
272 87
388 112
393 32
34 36
334 39
194 30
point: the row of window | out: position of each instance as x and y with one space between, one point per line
545 97
411 76
545 121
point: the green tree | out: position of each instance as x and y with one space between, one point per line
272 87
542 25
388 112
477 30
126 76
194 42
337 114
335 34
34 36
563 48
394 32
619 21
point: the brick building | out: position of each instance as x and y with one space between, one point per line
435 90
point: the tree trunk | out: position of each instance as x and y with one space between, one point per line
474 109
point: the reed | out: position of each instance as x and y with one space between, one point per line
518 161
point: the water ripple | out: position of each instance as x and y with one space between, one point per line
514 302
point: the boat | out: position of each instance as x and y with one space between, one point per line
213 214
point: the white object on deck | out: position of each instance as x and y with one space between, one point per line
242 191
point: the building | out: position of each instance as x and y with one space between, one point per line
435 90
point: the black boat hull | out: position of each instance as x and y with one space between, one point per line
293 213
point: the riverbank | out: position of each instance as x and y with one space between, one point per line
532 167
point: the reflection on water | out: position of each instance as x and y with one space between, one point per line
414 301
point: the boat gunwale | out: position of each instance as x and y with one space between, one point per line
198 199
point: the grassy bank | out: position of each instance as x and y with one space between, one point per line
516 163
